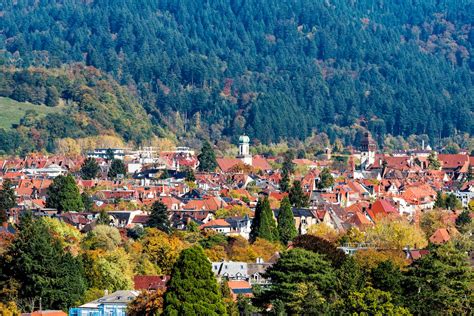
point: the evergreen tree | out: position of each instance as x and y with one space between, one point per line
63 195
297 197
159 217
89 169
193 289
440 283
326 179
87 201
207 158
109 155
452 202
388 277
288 166
285 182
463 219
295 269
286 222
7 199
117 167
37 263
440 201
263 223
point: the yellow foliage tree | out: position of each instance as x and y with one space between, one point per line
236 210
371 258
9 309
68 235
390 233
161 249
67 147
324 231
433 219
265 249
216 253
241 250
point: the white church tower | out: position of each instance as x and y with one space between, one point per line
368 148
244 150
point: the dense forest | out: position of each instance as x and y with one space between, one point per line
89 103
272 69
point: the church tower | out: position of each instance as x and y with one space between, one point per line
368 148
244 150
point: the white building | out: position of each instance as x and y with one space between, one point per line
244 150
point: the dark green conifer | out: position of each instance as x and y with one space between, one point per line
286 222
193 288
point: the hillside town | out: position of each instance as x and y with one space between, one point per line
351 201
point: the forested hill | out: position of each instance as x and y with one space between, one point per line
270 68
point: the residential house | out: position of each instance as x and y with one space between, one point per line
112 304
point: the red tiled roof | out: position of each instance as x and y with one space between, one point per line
140 219
259 162
150 282
225 164
215 223
442 235
453 161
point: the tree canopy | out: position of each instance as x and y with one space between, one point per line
63 194
193 289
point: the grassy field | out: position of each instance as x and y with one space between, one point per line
12 111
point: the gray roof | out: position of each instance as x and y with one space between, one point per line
118 297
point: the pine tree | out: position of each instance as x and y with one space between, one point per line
286 222
285 182
89 169
440 201
87 201
159 217
288 166
297 197
193 289
117 167
37 262
7 199
63 195
207 158
263 223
